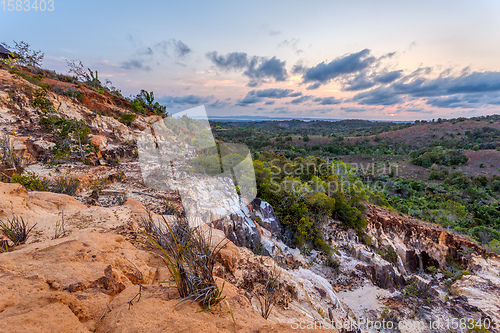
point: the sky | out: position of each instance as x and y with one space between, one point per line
377 60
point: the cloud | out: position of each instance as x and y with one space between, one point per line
347 64
476 82
314 86
301 100
249 99
218 104
327 100
299 68
154 53
256 96
447 102
389 77
446 91
181 49
135 64
274 32
275 93
292 43
256 68
184 100
378 96
262 67
352 109
360 82
233 60
281 110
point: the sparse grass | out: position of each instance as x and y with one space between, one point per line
272 286
16 229
230 311
189 256
97 186
59 231
65 184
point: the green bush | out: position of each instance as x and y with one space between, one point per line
128 118
426 157
146 101
31 181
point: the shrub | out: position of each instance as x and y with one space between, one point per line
74 94
31 181
16 230
426 157
272 286
41 101
367 240
146 101
65 185
433 271
128 118
25 56
190 257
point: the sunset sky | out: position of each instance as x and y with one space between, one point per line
385 60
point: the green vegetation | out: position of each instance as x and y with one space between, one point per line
16 230
190 257
304 195
453 271
463 202
31 181
71 135
145 101
66 184
128 118
428 156
23 55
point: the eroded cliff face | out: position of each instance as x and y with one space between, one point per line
419 244
428 274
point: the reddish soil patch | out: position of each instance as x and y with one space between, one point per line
422 135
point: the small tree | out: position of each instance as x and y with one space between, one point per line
146 101
77 68
24 55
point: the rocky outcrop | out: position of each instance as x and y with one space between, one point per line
265 216
419 244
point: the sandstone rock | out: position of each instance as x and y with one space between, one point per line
42 148
100 141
